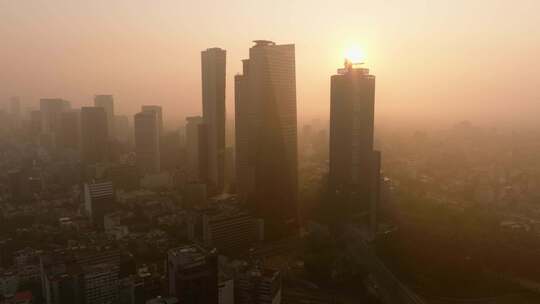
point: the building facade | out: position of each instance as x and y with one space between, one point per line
213 65
267 164
147 145
354 164
197 149
94 135
193 275
159 113
98 200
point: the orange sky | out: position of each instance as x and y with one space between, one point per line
434 60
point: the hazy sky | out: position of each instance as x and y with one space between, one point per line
433 59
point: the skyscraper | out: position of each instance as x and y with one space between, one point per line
213 63
267 134
147 142
159 112
354 164
50 109
69 133
107 102
196 144
94 135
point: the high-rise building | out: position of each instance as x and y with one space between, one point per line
98 201
354 164
107 102
159 113
193 275
147 142
94 135
213 63
69 133
50 109
196 145
266 142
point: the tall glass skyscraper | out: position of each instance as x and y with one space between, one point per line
147 142
213 66
266 135
354 164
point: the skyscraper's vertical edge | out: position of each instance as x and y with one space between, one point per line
213 71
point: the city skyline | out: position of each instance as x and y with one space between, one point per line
210 153
420 65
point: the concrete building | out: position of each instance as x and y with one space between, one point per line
255 285
70 130
94 135
50 109
354 164
159 113
193 275
213 65
80 275
98 201
196 146
230 230
147 145
266 134
107 103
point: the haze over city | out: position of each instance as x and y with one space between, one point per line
269 152
435 60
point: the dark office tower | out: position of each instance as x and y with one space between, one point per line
213 62
94 136
69 133
98 201
196 145
50 109
159 113
354 165
266 137
244 116
121 128
107 102
193 275
147 142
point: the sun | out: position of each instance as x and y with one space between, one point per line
355 54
